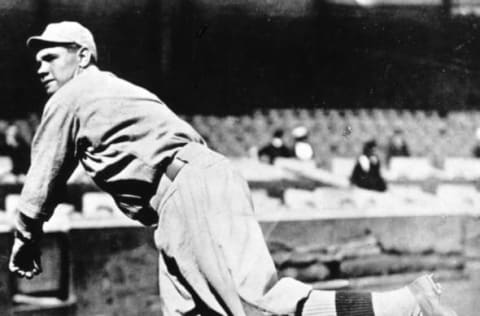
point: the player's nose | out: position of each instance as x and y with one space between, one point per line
42 69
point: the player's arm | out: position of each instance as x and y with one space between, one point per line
53 160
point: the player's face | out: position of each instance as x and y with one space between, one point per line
56 66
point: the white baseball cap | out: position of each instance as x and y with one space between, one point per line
65 32
477 133
300 132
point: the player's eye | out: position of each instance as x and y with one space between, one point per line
49 57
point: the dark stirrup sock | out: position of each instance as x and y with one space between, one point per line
300 305
354 304
332 303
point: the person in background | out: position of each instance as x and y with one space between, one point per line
32 122
3 128
476 147
366 172
18 149
276 148
302 149
397 146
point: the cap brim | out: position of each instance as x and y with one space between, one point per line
39 41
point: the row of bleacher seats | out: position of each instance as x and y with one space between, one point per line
440 144
402 170
448 199
428 133
398 201
414 169
287 177
417 168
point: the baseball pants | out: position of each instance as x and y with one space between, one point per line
213 259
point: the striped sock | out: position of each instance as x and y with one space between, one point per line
399 302
330 303
354 304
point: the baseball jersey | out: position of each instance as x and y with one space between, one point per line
121 134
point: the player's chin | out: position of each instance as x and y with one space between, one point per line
51 87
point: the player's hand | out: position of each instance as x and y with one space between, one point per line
25 258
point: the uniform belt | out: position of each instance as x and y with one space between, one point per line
173 168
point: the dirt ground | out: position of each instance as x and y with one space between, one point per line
461 293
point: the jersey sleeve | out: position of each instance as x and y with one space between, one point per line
52 162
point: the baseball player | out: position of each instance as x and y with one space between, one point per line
213 259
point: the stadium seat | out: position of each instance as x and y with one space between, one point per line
462 168
411 168
255 171
334 199
96 205
411 190
264 203
309 170
342 166
304 200
459 198
62 210
403 197
5 165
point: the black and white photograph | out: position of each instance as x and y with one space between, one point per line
239 157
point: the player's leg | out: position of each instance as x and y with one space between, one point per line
210 230
175 299
207 227
420 298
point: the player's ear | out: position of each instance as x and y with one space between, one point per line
86 57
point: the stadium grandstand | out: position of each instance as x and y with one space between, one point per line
235 135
